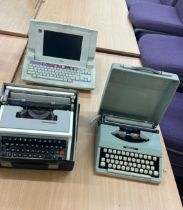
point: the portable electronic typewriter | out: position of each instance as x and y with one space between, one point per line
128 141
38 127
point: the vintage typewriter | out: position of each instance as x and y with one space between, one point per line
128 140
38 127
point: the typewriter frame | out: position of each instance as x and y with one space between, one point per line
33 163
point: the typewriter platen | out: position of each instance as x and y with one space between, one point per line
38 127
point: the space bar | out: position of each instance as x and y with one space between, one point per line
129 174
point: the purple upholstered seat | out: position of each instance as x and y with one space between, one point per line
162 52
172 130
166 2
157 17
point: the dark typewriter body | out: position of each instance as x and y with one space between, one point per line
38 127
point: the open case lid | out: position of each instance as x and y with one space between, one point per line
137 95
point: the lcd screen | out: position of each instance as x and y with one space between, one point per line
62 45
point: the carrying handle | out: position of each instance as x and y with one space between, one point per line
145 69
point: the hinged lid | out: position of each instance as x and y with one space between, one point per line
138 95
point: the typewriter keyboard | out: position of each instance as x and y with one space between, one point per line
58 72
129 163
21 147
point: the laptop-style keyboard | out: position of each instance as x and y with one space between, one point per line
129 163
63 73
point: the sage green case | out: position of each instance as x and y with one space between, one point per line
133 103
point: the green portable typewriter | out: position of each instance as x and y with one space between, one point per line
128 141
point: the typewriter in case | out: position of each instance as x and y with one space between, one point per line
128 141
38 127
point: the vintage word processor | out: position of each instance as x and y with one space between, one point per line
128 141
60 55
38 127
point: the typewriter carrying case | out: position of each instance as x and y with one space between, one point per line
38 127
133 103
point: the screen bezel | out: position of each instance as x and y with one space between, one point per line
40 41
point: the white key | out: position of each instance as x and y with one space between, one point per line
134 165
156 173
155 158
120 157
149 157
136 155
114 166
132 169
109 165
132 154
118 167
143 166
140 155
125 158
102 164
114 151
119 152
123 167
129 159
123 152
125 163
147 162
103 159
136 170
151 163
139 165
107 155
130 164
116 157
145 171
111 156
142 161
145 156
127 153
108 161
148 167
127 168
138 160
110 150
133 160
112 161
121 162
105 149
150 172
116 161
152 168
141 170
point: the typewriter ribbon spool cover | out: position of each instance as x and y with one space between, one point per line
133 103
38 127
